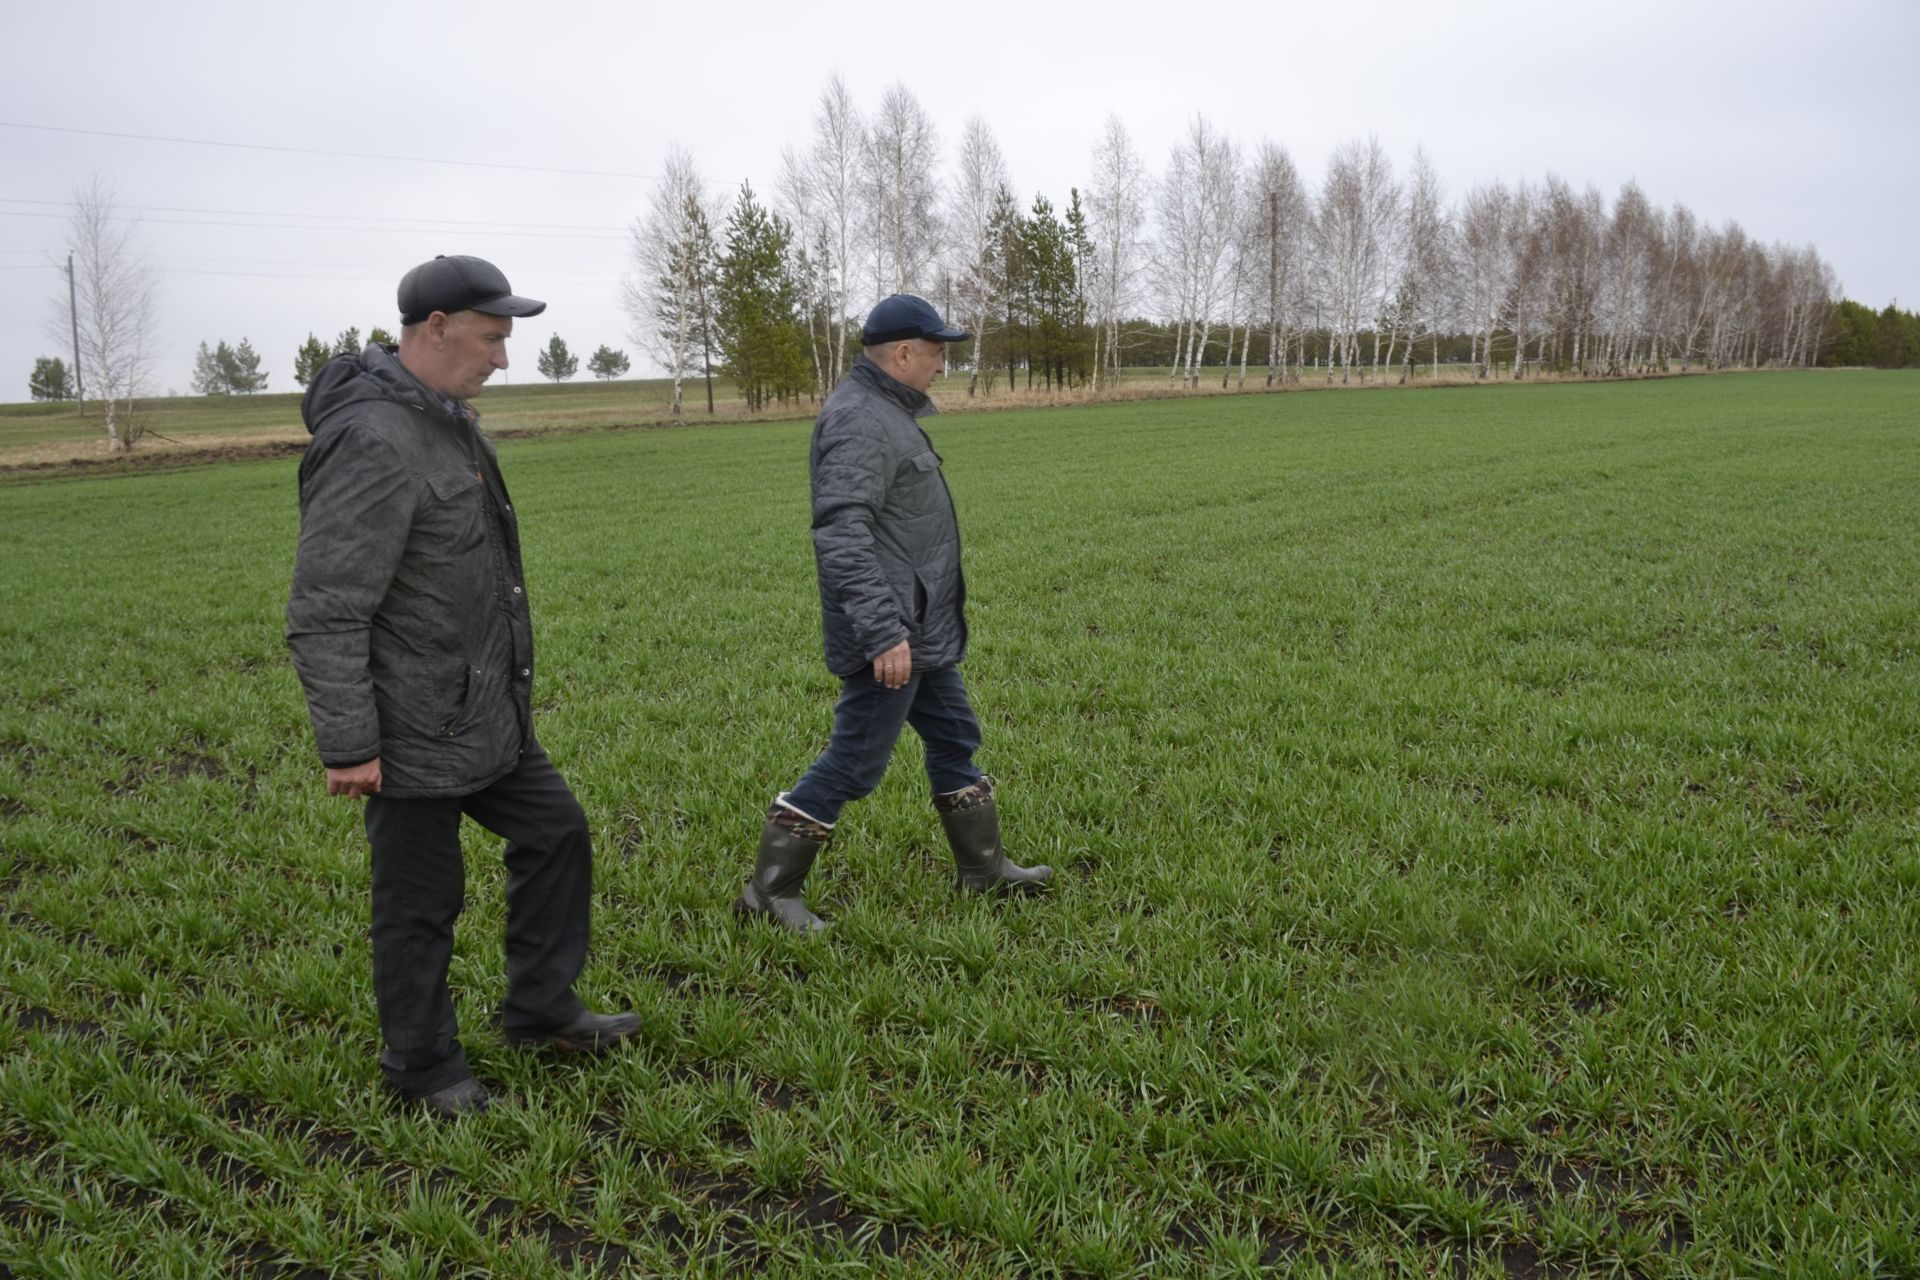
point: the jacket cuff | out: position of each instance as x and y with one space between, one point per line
874 651
350 759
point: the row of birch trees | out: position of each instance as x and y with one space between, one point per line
1362 277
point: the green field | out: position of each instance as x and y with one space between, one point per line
1488 825
42 435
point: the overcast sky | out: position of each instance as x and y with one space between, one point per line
1794 119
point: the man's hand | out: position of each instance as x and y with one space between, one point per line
892 668
356 781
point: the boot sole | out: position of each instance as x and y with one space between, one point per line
585 1042
747 911
1007 888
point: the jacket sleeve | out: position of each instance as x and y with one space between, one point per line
852 468
356 506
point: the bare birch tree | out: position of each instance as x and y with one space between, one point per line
114 297
1274 216
1484 266
902 150
1524 303
1422 299
1197 207
670 255
981 177
833 163
1117 201
1352 230
793 198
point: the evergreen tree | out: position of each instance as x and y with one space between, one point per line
556 362
241 368
208 377
1855 336
607 363
761 333
348 343
1049 294
1083 261
312 354
1004 277
50 379
379 337
1899 339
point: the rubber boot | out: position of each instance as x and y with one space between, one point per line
773 890
972 823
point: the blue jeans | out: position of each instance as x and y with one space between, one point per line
866 724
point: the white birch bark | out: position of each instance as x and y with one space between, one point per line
114 301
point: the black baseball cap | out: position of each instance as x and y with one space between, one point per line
901 316
460 283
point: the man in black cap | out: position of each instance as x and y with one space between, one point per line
409 628
887 548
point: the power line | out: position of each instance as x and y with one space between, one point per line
312 151
281 226
336 217
549 281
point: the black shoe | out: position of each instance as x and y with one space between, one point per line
461 1098
588 1033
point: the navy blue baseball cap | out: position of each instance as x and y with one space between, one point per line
901 316
460 283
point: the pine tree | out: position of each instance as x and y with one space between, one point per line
308 360
1003 274
50 379
761 333
556 362
208 378
241 366
379 337
608 364
348 343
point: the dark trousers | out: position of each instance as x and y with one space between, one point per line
866 724
419 886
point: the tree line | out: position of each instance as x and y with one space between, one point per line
1228 252
1370 273
1888 339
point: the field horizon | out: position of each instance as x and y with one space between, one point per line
54 438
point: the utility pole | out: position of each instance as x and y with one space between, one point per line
1273 279
73 314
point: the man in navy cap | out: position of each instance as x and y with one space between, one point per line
887 548
409 628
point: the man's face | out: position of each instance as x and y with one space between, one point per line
920 362
473 346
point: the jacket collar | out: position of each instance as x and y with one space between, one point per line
916 403
383 364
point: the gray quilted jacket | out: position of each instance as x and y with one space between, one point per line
884 535
408 616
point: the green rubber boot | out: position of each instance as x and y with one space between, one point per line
779 870
972 823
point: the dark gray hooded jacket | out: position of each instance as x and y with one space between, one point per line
885 538
408 617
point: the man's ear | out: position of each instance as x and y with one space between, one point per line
436 325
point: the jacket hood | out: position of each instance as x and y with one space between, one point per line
350 380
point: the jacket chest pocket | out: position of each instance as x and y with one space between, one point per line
455 519
916 482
